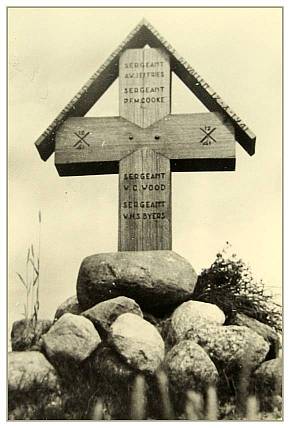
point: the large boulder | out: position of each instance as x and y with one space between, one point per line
230 347
26 334
138 342
30 371
189 367
192 315
154 279
105 313
71 339
262 329
70 305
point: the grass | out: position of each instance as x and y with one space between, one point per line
31 280
197 406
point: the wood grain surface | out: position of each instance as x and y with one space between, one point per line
144 202
144 85
98 144
144 33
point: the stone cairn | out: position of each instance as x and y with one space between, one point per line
134 319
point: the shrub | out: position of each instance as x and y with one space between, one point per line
229 283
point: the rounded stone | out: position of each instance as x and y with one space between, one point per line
230 347
71 339
70 305
30 370
105 313
138 342
268 377
154 279
26 334
189 367
192 314
264 330
108 364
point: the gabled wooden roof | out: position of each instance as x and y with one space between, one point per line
144 33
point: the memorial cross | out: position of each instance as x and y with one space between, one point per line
146 142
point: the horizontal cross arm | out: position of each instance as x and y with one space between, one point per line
191 141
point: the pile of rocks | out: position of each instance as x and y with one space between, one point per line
134 313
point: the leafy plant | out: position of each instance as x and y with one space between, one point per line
229 283
31 280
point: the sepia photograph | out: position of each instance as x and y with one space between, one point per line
144 213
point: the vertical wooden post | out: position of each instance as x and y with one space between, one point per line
145 80
144 202
144 175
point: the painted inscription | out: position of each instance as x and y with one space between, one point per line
145 202
144 207
144 86
207 137
81 143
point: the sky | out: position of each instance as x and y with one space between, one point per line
53 52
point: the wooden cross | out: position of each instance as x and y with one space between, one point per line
145 143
